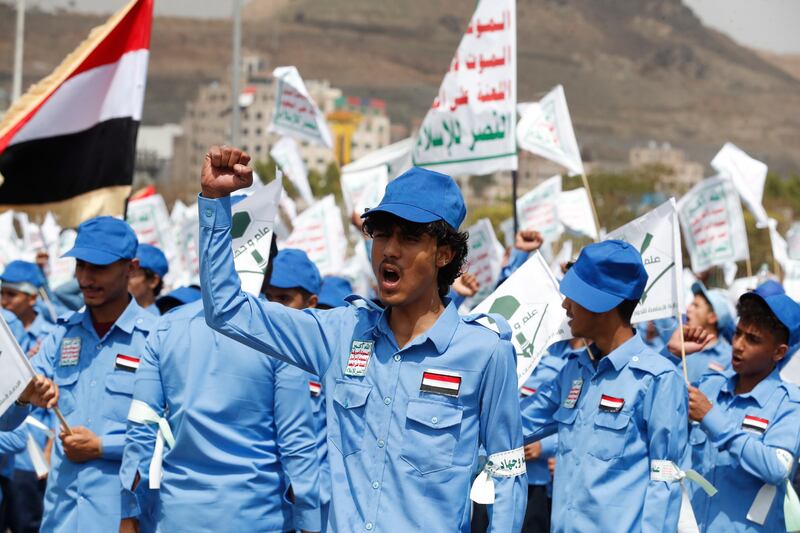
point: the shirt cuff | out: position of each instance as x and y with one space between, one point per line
214 212
130 504
715 423
308 519
549 445
113 445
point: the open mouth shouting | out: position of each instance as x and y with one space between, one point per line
389 276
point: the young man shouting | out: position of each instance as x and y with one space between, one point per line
413 389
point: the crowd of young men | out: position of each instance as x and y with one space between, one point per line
300 409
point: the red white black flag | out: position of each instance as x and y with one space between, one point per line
68 145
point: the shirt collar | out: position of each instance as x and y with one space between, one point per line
440 334
761 393
126 321
619 357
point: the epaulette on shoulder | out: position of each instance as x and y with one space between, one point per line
359 302
69 318
491 321
651 362
792 391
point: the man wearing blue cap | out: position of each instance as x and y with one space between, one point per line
334 291
619 408
147 281
746 429
92 356
177 297
241 424
21 283
413 389
711 312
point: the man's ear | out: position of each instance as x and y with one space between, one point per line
780 353
712 319
313 300
444 254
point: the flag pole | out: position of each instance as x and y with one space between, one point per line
19 42
63 420
236 73
683 349
749 266
591 203
514 183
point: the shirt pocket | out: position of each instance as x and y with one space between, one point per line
566 427
66 390
349 407
611 432
431 433
119 391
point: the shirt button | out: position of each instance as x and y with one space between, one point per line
209 212
435 420
93 383
381 443
387 400
99 346
375 485
397 357
368 526
138 320
635 358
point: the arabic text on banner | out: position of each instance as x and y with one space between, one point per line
471 127
538 209
17 371
319 232
296 114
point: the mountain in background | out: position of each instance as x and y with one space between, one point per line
632 71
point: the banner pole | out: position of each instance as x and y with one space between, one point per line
514 184
63 420
683 350
591 203
749 266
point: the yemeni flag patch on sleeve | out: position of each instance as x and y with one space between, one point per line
441 382
128 363
610 404
526 391
315 387
755 424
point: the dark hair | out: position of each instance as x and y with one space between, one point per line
626 309
752 309
440 230
149 275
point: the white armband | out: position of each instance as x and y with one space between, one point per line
503 464
141 413
661 470
766 494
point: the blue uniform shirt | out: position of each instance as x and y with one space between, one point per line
14 324
734 448
317 393
95 391
612 421
39 328
714 359
402 454
546 371
240 420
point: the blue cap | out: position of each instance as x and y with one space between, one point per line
22 276
718 300
423 196
292 268
183 295
605 274
769 288
104 240
152 258
334 291
786 310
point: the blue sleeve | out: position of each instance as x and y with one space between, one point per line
515 260
756 456
140 438
307 339
501 431
297 443
15 441
666 413
538 410
549 445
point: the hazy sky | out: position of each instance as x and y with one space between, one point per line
767 24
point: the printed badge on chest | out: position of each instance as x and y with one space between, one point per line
126 363
441 382
358 361
70 351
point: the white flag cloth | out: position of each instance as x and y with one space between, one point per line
748 176
396 157
470 129
538 209
531 303
363 189
319 232
152 224
484 258
791 278
507 227
780 248
545 129
17 370
793 241
564 255
9 248
657 237
296 114
712 223
252 224
286 154
575 213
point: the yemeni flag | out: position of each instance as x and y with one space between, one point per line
68 145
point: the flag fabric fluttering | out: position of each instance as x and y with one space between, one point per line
748 176
287 155
296 114
545 129
538 209
470 129
68 144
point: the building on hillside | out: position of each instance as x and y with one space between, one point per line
154 155
207 121
685 173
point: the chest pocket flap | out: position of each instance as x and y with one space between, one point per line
351 395
120 390
434 414
612 434
350 400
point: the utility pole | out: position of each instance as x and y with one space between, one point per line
236 89
16 84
